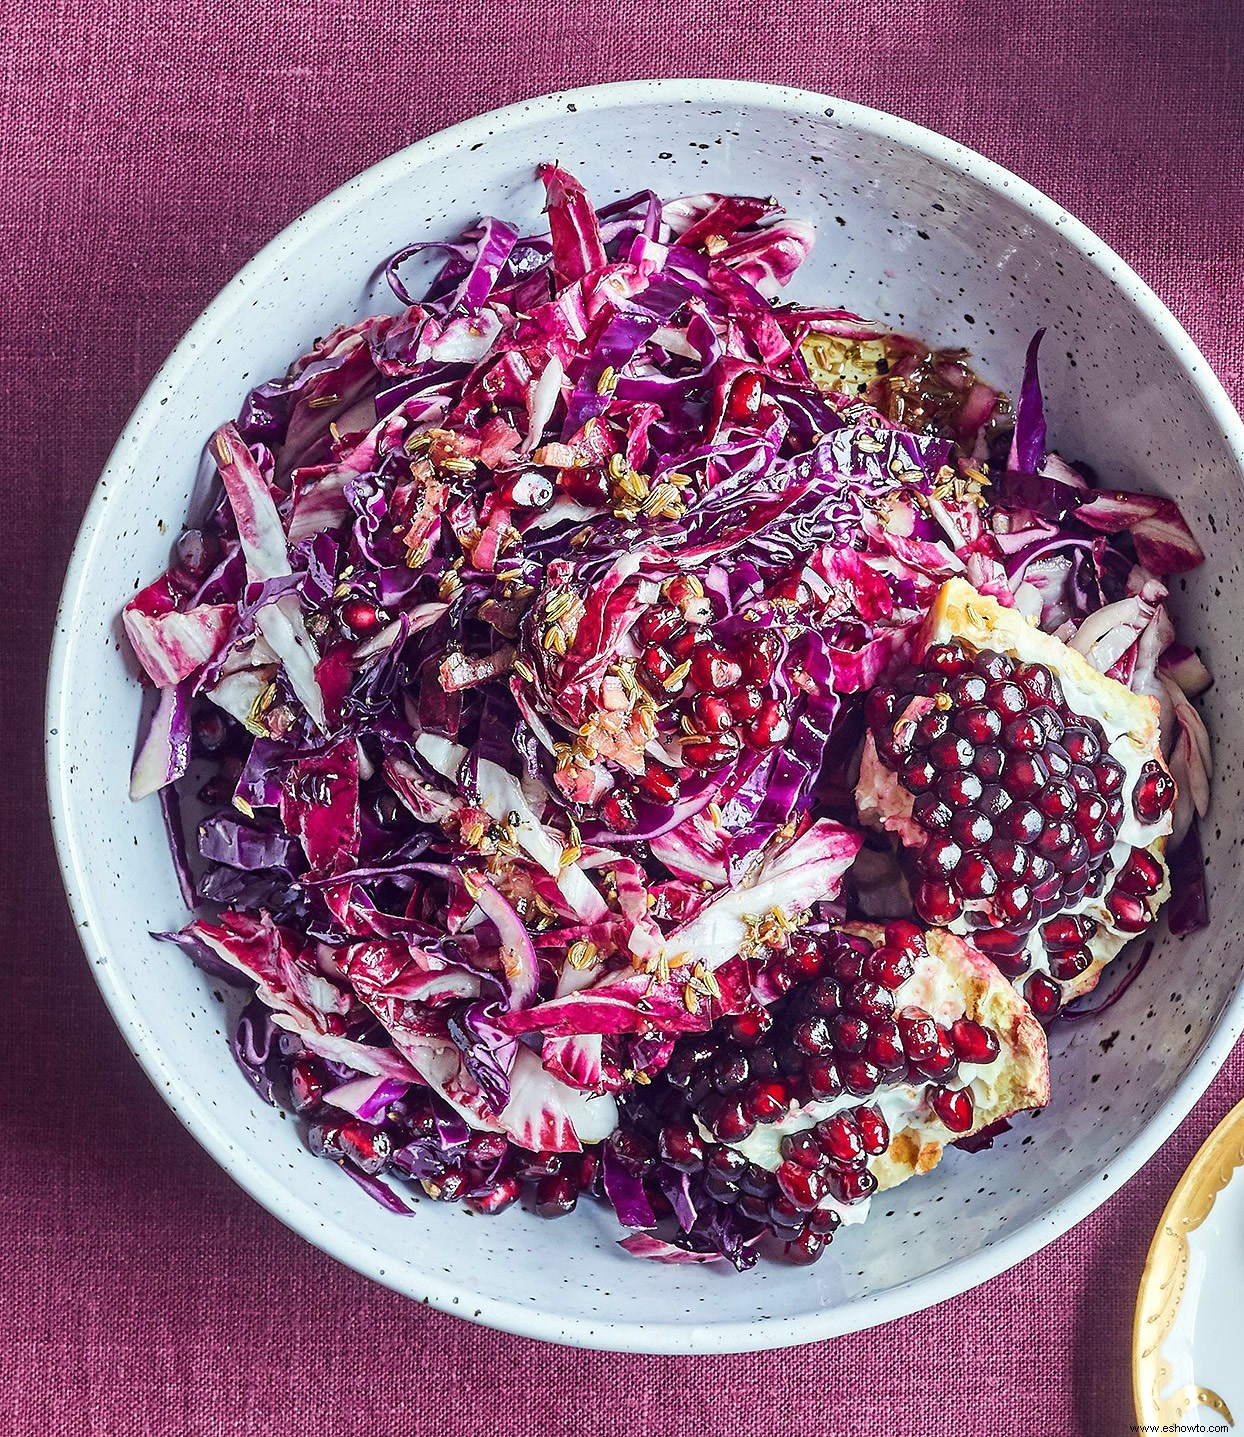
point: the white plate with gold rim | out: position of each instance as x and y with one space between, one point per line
1186 1366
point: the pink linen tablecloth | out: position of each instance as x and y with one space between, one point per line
146 151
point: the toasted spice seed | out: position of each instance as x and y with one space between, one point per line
571 854
472 883
554 640
714 815
418 556
634 485
617 466
560 605
709 979
867 444
642 1078
458 464
523 671
608 380
581 954
224 452
243 807
322 401
972 616
689 1000
943 701
678 675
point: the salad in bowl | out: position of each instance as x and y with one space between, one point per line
632 738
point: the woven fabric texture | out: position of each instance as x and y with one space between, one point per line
146 151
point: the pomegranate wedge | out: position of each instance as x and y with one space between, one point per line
1028 791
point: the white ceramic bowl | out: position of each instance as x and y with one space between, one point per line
913 229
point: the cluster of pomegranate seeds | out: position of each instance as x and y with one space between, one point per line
838 1032
1020 802
722 690
418 1139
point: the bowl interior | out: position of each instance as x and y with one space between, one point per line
906 235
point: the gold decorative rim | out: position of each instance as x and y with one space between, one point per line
1165 1278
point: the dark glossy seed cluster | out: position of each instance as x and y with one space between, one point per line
719 692
839 1029
1020 802
419 1140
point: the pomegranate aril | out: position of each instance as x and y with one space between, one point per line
710 713
992 665
848 1034
1082 744
942 1065
850 1185
785 1217
1022 824
710 751
1056 800
306 1084
556 1196
759 654
917 774
770 727
681 645
494 1198
870 998
658 783
1081 778
1023 734
954 1107
968 691
1010 860
813 1037
756 1207
975 878
951 752
931 813
749 1027
1013 901
681 1147
860 1076
972 1042
936 902
360 616
1067 929
1110 775
1006 699
802 1148
713 669
658 624
848 962
1141 875
767 1101
1067 963
618 813
806 1248
988 763
971 828
743 403
825 997
1055 839
949 658
368 1148
891 967
930 727
730 1122
1024 775
1043 995
805 1187
1154 794
730 1069
920 1035
824 1219
880 708
822 1077
959 790
745 702
885 1046
1130 914
873 1130
977 724
841 1138
657 664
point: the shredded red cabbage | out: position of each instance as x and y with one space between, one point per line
517 667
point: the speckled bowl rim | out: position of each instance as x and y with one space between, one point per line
209 1128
